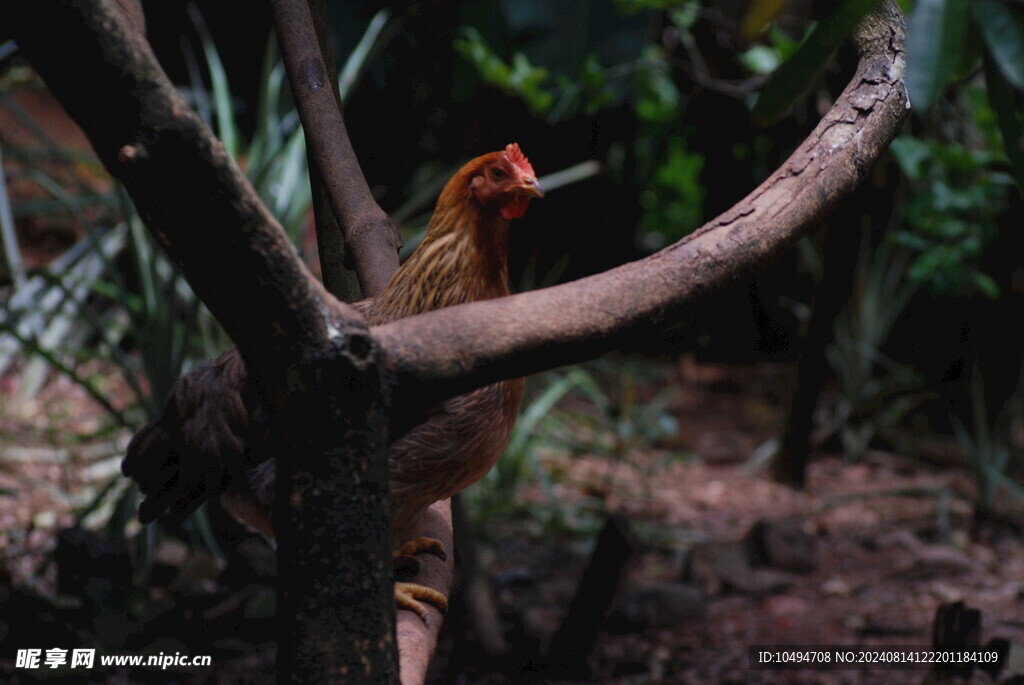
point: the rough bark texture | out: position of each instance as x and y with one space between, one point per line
337 616
320 370
368 231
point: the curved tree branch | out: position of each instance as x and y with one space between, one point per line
186 188
369 233
450 351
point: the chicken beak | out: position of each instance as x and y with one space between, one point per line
530 187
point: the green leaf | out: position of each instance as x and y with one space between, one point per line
912 155
520 78
1007 116
1004 37
988 287
799 72
936 37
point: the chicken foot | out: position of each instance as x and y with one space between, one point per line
409 595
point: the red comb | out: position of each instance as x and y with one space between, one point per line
516 156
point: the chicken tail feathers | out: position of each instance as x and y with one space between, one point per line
181 459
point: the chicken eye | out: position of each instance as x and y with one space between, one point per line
497 174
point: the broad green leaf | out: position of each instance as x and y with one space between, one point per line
1004 37
936 36
798 73
1008 118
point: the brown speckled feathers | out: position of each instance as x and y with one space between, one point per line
197 447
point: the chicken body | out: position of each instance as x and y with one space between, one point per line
197 447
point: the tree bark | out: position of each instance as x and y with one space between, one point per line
418 639
337 268
368 231
333 534
599 585
789 466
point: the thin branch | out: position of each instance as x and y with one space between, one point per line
447 352
337 271
369 233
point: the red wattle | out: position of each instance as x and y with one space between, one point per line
515 208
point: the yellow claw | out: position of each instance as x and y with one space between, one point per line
419 546
408 596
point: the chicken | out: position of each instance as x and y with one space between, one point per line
197 447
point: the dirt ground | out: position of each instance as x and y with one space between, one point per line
872 549
869 550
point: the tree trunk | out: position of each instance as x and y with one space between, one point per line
838 266
335 591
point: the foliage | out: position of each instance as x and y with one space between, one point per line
988 446
667 172
795 76
951 215
936 42
591 412
615 423
874 392
634 6
519 77
946 41
275 158
657 97
495 495
673 201
123 295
